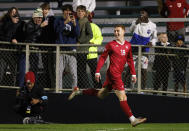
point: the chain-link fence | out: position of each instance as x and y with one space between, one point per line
161 69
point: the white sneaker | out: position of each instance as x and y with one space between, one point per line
74 93
138 121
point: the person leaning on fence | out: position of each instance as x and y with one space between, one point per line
162 63
120 53
48 36
175 9
144 33
85 36
67 32
179 63
8 59
93 55
33 30
30 101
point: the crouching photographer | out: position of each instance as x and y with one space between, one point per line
31 102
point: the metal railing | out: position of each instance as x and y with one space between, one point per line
57 50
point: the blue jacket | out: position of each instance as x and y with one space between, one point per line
66 33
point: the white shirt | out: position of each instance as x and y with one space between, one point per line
90 4
146 30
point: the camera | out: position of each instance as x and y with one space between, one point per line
71 15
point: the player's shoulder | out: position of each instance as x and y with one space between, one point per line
152 23
127 43
111 43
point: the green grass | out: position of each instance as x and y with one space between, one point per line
95 127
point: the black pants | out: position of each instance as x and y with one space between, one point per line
81 71
8 68
92 63
35 110
48 69
161 77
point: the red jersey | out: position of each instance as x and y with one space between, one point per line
119 55
175 9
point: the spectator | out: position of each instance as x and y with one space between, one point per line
48 36
90 7
180 62
175 9
8 26
120 53
162 63
67 31
144 33
92 57
31 101
85 36
32 30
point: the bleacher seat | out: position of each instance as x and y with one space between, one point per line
105 9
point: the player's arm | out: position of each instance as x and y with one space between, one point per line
101 61
130 63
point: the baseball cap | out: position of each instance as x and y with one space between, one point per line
180 37
30 77
38 13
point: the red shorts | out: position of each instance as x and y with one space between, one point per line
115 83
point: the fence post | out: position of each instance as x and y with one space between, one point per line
57 67
139 68
27 57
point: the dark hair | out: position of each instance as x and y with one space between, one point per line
45 6
121 26
10 11
8 14
180 37
145 9
67 7
81 7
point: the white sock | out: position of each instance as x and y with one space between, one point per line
132 118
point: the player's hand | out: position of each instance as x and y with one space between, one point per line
97 77
134 79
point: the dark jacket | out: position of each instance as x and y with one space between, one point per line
23 101
66 34
32 32
180 61
86 34
48 35
162 62
7 29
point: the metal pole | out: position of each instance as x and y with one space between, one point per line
139 68
57 67
27 57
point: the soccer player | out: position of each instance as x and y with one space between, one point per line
120 53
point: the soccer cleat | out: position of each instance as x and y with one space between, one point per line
138 121
74 93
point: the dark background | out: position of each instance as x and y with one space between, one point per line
85 109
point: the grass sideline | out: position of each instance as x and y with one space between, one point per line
96 127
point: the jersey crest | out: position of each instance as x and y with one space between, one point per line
179 5
148 31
